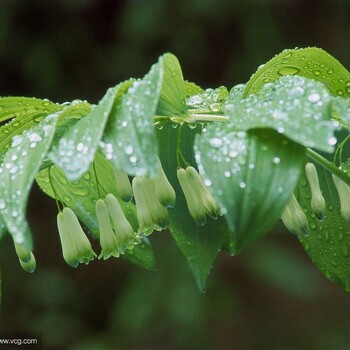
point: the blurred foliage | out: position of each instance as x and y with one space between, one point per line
268 297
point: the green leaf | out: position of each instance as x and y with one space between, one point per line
328 240
20 107
311 62
199 244
130 140
81 195
77 147
172 100
294 106
252 176
192 89
18 168
27 115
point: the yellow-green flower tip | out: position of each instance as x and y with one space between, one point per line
23 253
29 265
123 185
76 247
124 232
344 197
294 217
108 239
164 191
318 203
150 213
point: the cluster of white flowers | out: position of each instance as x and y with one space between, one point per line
153 197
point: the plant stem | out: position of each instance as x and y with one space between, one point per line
96 179
54 191
328 165
197 117
191 118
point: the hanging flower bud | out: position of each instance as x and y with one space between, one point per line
124 232
76 247
123 185
344 197
197 211
205 197
29 265
150 213
200 202
318 203
294 217
164 191
108 239
287 219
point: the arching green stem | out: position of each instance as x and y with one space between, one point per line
328 165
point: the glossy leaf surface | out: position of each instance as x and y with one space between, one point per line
130 141
76 149
328 240
252 175
294 106
310 62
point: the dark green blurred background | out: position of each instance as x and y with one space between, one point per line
270 296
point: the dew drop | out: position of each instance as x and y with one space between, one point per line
251 166
207 182
129 150
276 160
16 140
314 97
332 141
215 142
280 189
288 71
37 118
